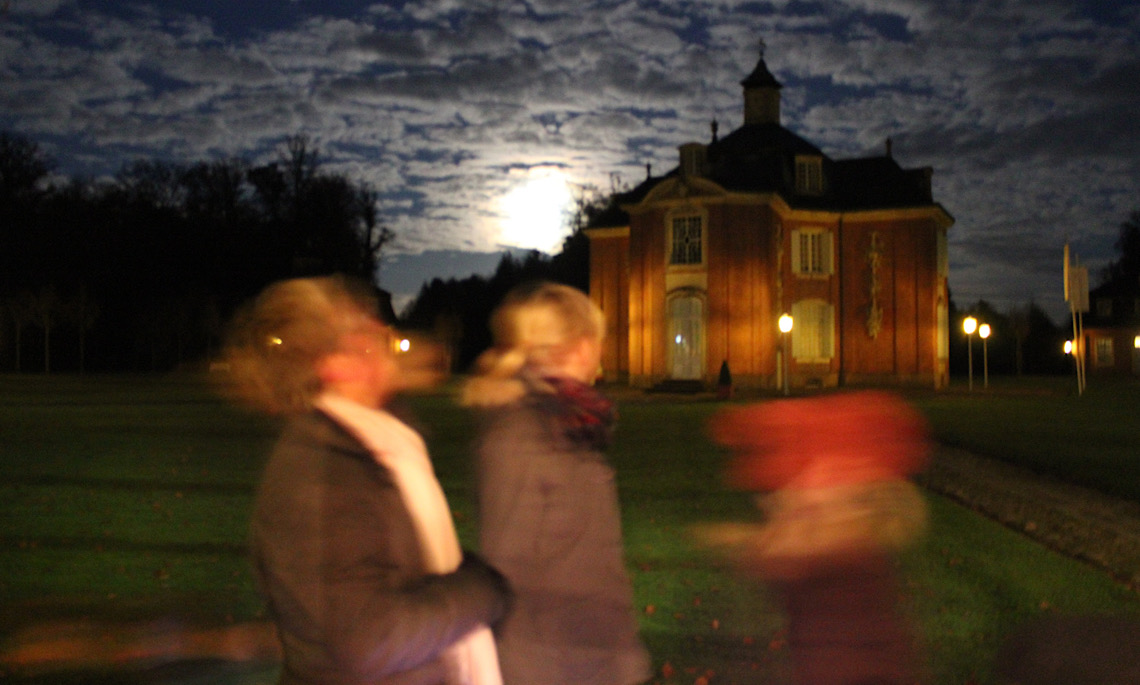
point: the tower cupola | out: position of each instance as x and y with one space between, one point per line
761 94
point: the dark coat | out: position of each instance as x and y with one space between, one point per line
550 521
844 622
339 562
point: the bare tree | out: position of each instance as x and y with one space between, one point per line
1019 325
46 307
375 236
82 311
20 311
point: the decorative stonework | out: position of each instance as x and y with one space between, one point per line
874 309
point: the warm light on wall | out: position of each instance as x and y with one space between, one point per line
1068 347
785 323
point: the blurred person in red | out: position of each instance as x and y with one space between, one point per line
549 516
838 506
353 542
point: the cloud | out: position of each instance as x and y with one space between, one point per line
1026 117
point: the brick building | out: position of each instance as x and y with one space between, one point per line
694 268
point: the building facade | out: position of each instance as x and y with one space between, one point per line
694 269
1112 328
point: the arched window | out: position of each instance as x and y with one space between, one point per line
686 330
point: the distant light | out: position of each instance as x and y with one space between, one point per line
274 340
785 323
969 325
1069 346
984 331
678 339
1136 342
405 345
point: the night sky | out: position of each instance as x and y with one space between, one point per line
476 120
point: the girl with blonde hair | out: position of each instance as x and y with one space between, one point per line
353 542
548 504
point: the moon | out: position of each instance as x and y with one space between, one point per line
535 211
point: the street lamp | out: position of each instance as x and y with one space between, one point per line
970 324
984 334
785 324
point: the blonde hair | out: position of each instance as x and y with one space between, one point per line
275 341
536 325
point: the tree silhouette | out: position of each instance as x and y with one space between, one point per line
45 308
163 252
1127 265
82 311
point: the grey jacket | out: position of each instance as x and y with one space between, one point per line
339 563
550 521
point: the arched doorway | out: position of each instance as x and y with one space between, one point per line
686 337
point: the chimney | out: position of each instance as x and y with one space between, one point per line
694 159
888 145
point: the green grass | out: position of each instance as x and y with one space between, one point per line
128 492
1043 424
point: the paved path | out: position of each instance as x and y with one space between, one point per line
1082 523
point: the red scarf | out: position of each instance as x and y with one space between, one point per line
585 415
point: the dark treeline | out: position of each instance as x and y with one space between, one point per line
1023 341
139 273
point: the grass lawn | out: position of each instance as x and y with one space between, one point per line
131 495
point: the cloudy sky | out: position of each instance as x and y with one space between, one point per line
477 120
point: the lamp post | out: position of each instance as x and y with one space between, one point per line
984 334
785 324
970 324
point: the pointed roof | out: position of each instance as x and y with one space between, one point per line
760 76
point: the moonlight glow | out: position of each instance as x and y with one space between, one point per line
534 212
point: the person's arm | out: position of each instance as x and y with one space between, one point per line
384 619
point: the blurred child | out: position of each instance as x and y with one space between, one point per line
353 542
548 504
838 506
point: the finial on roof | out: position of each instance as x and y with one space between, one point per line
763 47
714 126
648 171
889 145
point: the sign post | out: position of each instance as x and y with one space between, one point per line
1077 295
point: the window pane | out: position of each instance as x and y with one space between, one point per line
813 333
1104 356
686 241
